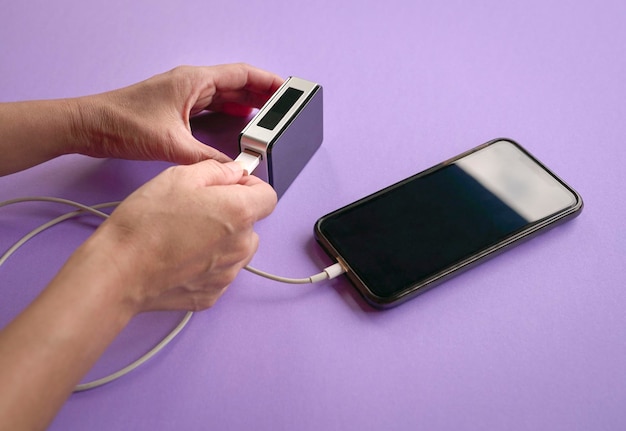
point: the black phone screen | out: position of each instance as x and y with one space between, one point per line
408 233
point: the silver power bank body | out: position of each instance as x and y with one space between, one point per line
286 132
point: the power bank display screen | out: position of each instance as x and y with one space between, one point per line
408 234
280 108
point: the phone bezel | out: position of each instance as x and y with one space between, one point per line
455 269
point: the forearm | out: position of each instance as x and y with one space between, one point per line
36 131
145 121
46 350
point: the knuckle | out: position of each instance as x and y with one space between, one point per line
202 301
242 214
247 216
247 248
177 173
242 66
228 276
182 69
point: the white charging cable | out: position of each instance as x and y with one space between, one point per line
328 273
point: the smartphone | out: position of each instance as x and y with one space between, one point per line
411 236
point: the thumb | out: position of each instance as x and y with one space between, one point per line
214 173
183 148
192 150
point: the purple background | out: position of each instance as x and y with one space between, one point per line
534 339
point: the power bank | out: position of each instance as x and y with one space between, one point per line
286 132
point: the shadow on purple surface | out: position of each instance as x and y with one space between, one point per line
219 131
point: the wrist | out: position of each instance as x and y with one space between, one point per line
105 276
36 131
91 125
106 126
52 344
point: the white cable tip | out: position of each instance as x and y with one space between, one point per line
327 274
334 271
248 160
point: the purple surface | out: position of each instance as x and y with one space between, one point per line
534 339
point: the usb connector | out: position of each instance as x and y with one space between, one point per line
248 160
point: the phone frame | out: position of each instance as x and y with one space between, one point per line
455 269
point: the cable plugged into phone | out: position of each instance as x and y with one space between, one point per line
249 160
328 273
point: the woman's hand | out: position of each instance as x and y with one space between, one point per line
174 244
146 121
182 238
150 120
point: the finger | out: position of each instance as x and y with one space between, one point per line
259 195
245 77
239 83
205 152
214 173
240 97
254 246
185 149
192 151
